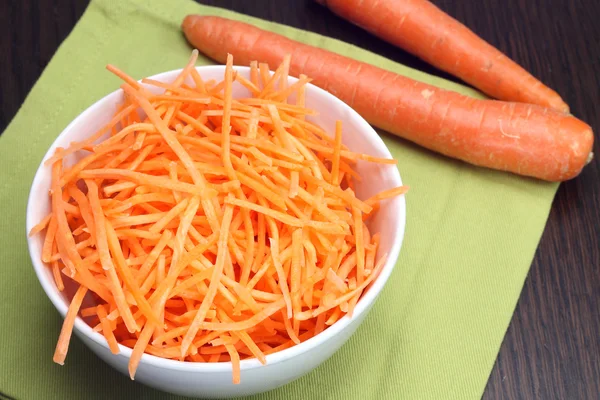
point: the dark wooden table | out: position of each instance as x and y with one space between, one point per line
552 348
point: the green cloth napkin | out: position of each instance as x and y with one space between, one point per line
437 327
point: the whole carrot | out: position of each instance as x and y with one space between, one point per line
424 30
521 138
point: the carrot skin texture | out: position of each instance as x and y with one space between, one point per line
521 138
421 28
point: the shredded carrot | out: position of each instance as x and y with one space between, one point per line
67 329
49 242
208 228
41 225
107 330
335 167
57 276
374 201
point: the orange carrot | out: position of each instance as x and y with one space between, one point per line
521 138
171 236
421 28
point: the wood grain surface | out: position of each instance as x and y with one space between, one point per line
552 347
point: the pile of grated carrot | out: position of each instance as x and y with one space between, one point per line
211 229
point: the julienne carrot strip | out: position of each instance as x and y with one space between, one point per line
274 242
335 167
139 178
57 276
264 74
49 242
84 208
107 330
235 361
295 273
67 329
140 347
41 225
358 243
386 194
283 78
165 223
64 238
127 78
301 96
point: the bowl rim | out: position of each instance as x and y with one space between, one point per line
363 305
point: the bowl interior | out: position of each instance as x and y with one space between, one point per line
358 135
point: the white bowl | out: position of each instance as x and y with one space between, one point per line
215 379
